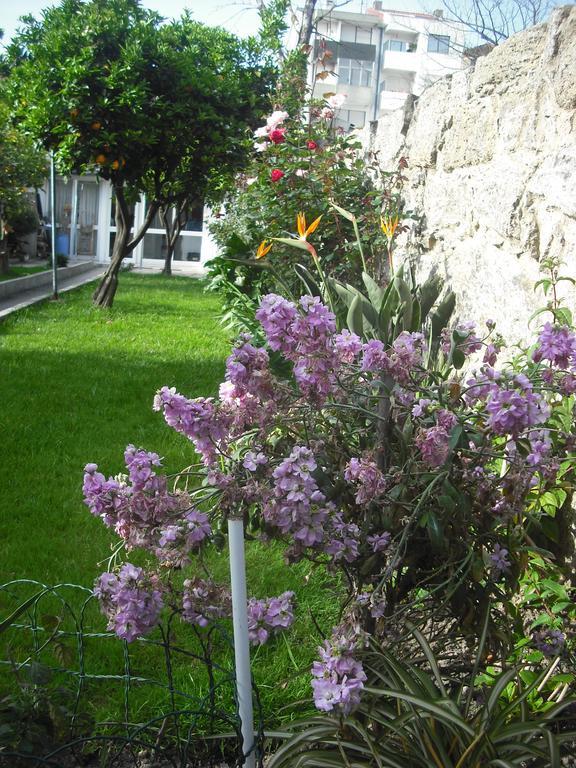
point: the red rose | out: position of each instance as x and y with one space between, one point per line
278 135
311 145
276 174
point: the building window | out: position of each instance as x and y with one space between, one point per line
438 44
353 72
351 34
395 45
350 118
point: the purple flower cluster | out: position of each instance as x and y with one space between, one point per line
269 616
299 509
550 642
556 343
513 409
400 361
434 443
247 370
379 541
204 601
338 678
131 602
304 337
347 346
200 420
371 482
134 506
499 562
178 539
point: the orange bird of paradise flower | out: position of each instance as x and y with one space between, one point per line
263 249
389 225
304 231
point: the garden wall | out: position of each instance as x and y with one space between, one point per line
492 171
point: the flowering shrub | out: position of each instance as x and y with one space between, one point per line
430 490
303 162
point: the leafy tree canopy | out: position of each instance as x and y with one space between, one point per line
153 107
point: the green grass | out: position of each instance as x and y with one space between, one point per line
21 272
77 386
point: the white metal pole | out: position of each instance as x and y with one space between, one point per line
53 226
241 642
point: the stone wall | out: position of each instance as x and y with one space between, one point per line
492 172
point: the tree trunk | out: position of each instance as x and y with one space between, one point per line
103 296
172 227
307 24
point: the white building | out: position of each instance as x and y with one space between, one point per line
379 57
86 228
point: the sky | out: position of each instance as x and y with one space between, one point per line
238 16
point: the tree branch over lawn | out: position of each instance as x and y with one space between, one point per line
160 109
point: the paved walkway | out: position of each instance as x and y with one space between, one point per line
33 296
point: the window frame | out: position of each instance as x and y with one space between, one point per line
439 40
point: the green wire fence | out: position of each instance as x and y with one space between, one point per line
70 693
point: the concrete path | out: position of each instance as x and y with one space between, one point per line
33 296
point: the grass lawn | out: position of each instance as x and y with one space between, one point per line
77 386
21 272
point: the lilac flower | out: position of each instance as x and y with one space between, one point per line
204 601
550 641
253 460
491 354
512 410
200 420
499 560
556 343
374 358
405 356
446 419
540 447
179 539
371 481
276 315
297 506
379 541
130 601
347 346
338 678
135 506
434 445
269 616
420 408
247 370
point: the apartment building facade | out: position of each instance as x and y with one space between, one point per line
379 57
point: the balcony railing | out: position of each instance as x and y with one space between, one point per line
402 61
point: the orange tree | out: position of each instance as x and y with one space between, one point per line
151 107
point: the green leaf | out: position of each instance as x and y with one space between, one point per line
344 213
355 318
428 295
458 358
376 292
294 242
440 318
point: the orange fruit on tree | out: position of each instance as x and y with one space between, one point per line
96 125
100 159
